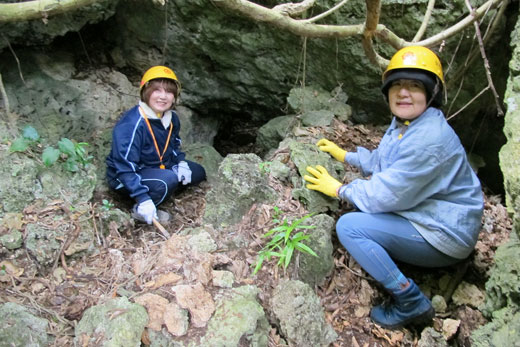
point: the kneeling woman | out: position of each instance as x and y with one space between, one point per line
422 204
146 162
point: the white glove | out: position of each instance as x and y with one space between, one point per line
147 210
184 173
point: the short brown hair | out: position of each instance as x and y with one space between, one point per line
151 86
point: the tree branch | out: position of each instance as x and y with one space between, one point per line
454 29
486 63
305 28
15 58
291 9
262 14
37 9
371 24
372 17
4 97
456 76
426 19
326 13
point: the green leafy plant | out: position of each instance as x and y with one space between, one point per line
277 214
29 138
284 242
72 153
265 167
107 205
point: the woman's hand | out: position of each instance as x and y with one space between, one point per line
322 181
184 173
147 211
333 149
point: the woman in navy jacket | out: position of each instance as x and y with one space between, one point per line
146 162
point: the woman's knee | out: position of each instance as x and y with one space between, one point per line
198 174
162 185
349 225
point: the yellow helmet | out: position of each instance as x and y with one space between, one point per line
159 72
417 63
415 57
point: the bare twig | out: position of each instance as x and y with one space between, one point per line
454 29
159 226
11 117
4 97
326 13
99 234
15 291
500 112
293 9
456 78
304 67
15 57
474 53
84 48
424 24
468 103
66 244
165 45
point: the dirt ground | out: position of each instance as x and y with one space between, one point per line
62 293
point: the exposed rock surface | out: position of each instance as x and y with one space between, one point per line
502 301
21 327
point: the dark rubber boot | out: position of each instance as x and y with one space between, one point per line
410 306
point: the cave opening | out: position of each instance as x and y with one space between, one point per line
237 134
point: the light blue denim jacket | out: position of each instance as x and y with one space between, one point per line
424 176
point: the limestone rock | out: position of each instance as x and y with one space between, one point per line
20 327
116 322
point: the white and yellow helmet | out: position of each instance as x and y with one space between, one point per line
160 71
416 63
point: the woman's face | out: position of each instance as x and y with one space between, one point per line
161 100
407 98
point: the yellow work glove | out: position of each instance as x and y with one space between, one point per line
322 181
332 148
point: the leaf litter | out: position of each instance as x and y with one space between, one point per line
131 261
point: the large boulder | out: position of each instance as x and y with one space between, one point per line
304 155
240 184
116 322
21 327
26 180
238 318
313 270
300 315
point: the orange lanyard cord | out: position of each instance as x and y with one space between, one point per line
155 141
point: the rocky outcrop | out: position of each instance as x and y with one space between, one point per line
503 286
21 327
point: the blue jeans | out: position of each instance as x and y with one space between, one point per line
163 183
374 239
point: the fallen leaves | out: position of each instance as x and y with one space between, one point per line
8 270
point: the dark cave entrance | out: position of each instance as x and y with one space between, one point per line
237 134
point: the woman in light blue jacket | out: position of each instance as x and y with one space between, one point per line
422 204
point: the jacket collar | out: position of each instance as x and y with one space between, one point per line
166 119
